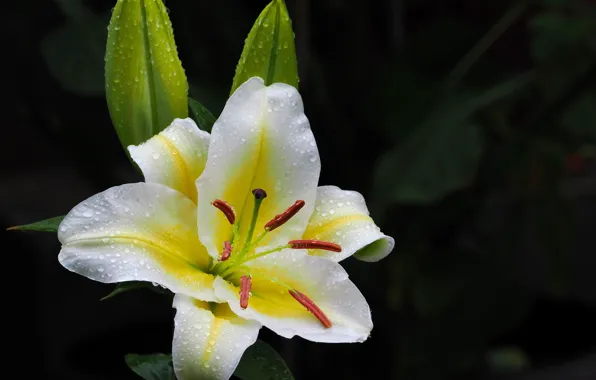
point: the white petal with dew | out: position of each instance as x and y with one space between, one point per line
140 231
209 339
342 217
175 157
261 140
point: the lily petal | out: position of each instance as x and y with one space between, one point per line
209 339
325 282
175 157
261 140
140 231
342 217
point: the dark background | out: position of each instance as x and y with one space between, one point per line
468 125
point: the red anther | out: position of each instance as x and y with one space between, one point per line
314 244
311 306
280 219
245 284
227 251
227 210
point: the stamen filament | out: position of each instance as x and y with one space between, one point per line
245 284
314 244
282 218
264 253
235 234
312 307
253 244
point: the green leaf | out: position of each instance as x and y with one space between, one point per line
555 33
441 154
151 367
47 225
261 362
133 285
269 50
201 115
146 86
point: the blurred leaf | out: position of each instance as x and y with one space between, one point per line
261 362
436 160
75 52
134 285
562 44
47 225
579 119
201 115
151 367
492 35
554 33
146 86
441 154
507 359
269 50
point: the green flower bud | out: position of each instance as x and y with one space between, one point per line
269 50
146 87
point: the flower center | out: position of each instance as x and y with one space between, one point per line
230 265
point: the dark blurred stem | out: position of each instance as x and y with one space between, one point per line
468 60
397 29
302 18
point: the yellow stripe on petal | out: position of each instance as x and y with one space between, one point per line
209 339
142 232
261 140
180 170
175 157
341 217
323 281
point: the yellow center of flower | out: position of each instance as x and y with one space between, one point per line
235 254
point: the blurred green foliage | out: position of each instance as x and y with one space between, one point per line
259 362
459 120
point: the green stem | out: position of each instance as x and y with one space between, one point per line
264 253
468 60
253 222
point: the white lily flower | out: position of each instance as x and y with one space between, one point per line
254 243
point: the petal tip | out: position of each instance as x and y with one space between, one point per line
377 250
